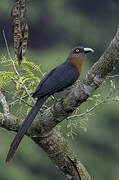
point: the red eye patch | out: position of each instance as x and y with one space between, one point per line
77 51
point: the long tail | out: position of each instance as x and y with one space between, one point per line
26 124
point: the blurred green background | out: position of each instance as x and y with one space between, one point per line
54 28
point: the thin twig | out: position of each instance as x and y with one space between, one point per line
13 63
14 80
21 99
30 70
11 103
112 77
95 105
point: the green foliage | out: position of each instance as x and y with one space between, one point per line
27 78
104 95
5 78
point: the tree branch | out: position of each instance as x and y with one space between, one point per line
113 77
42 130
95 105
4 103
55 146
79 94
20 29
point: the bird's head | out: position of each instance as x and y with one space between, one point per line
77 57
79 51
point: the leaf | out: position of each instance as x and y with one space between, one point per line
33 65
5 77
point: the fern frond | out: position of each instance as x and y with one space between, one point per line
33 65
5 77
31 75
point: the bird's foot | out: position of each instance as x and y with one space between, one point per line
55 99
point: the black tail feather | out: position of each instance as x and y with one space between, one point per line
26 124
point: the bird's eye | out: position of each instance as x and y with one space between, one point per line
77 51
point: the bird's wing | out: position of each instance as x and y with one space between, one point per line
42 82
56 80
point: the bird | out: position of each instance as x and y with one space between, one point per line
59 78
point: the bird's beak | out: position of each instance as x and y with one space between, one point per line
87 50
